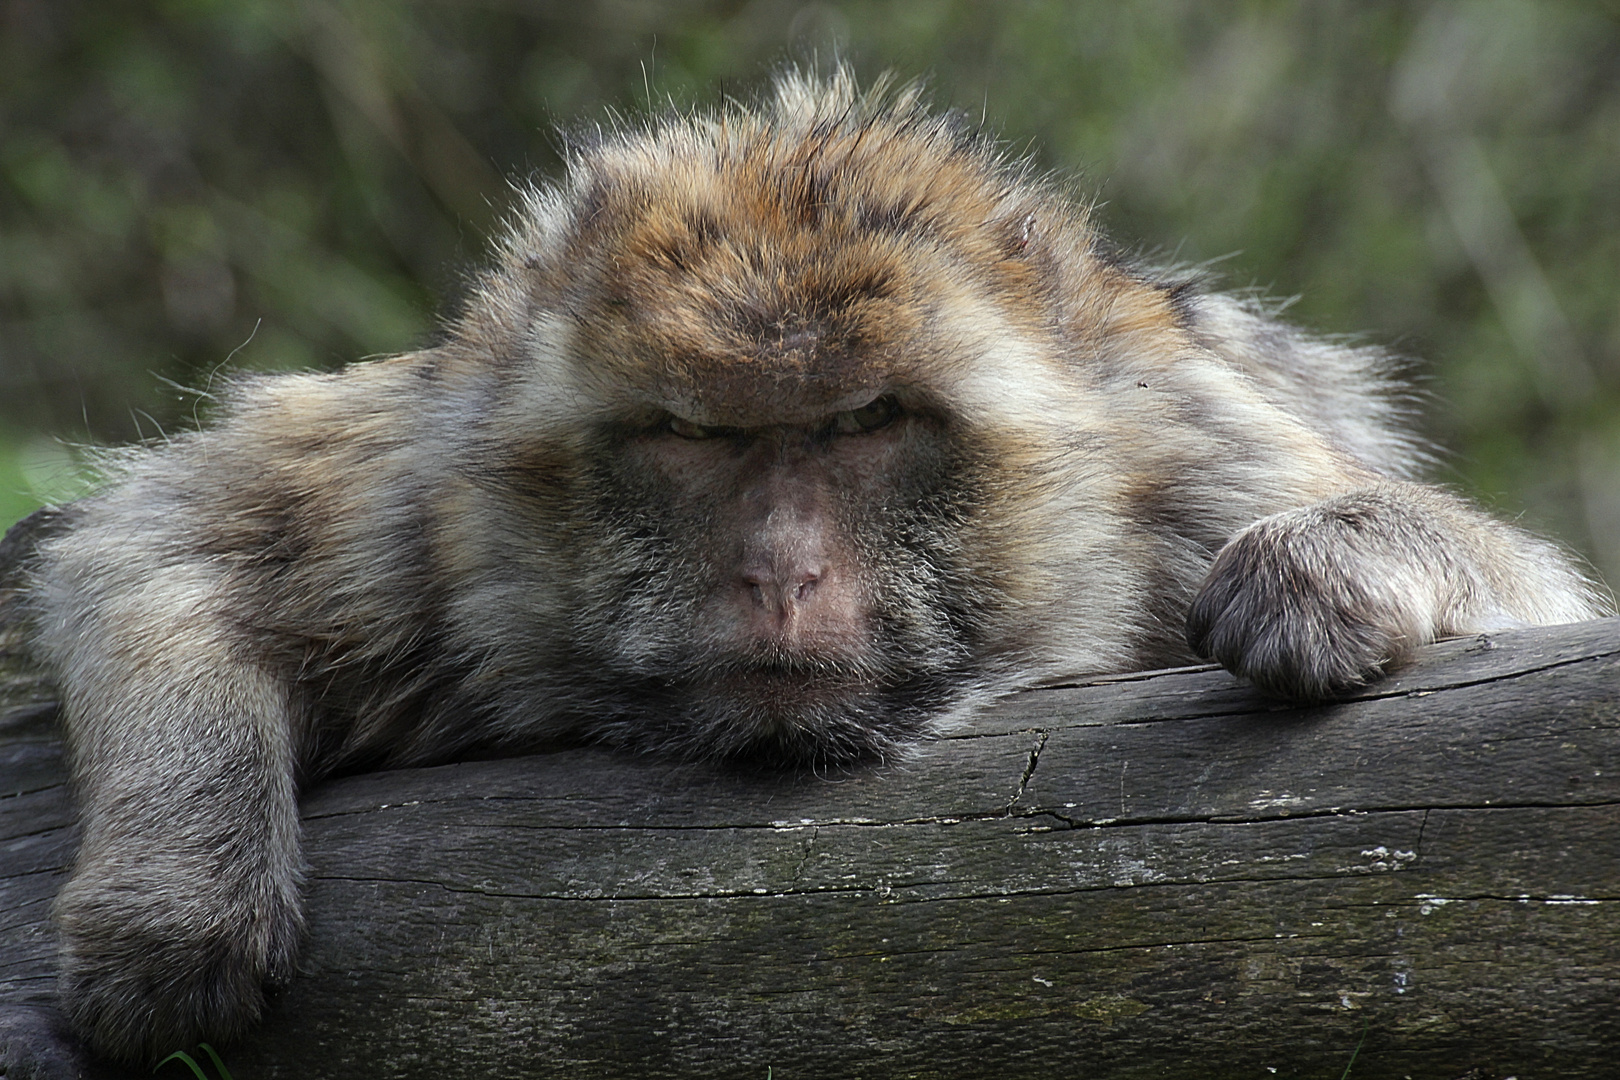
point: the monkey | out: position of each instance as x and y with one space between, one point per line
791 431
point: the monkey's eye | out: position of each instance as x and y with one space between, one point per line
878 414
688 430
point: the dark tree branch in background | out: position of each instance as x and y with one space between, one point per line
1151 875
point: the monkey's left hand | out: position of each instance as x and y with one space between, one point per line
1311 603
1291 606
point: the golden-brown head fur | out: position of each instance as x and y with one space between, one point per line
792 256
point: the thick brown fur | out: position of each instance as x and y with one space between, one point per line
788 431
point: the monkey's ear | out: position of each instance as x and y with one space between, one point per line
1017 232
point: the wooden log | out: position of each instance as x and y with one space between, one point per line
1157 875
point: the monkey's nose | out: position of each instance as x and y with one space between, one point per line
781 591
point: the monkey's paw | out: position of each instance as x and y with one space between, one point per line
147 972
1304 616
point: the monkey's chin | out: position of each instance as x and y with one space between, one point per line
782 719
793 719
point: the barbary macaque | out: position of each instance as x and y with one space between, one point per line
787 431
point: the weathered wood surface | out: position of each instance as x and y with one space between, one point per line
1153 876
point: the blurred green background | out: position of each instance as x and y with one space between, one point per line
191 183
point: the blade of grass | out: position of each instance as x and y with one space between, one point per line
224 1073
1365 1024
185 1057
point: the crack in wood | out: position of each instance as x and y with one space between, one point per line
1301 815
1029 769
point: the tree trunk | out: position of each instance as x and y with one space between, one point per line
1159 875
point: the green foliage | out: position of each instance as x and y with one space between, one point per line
302 183
191 1063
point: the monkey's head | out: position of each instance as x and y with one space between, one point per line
751 392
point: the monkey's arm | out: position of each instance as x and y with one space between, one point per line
184 611
184 900
1311 602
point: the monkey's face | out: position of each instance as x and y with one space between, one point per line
766 385
792 589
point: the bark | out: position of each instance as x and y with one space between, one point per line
1158 875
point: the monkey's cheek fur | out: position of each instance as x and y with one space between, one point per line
146 971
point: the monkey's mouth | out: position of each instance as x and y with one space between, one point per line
860 697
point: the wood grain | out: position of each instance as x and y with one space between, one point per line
1160 875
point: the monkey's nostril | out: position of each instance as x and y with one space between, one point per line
781 592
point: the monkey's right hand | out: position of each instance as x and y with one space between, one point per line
169 941
184 902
